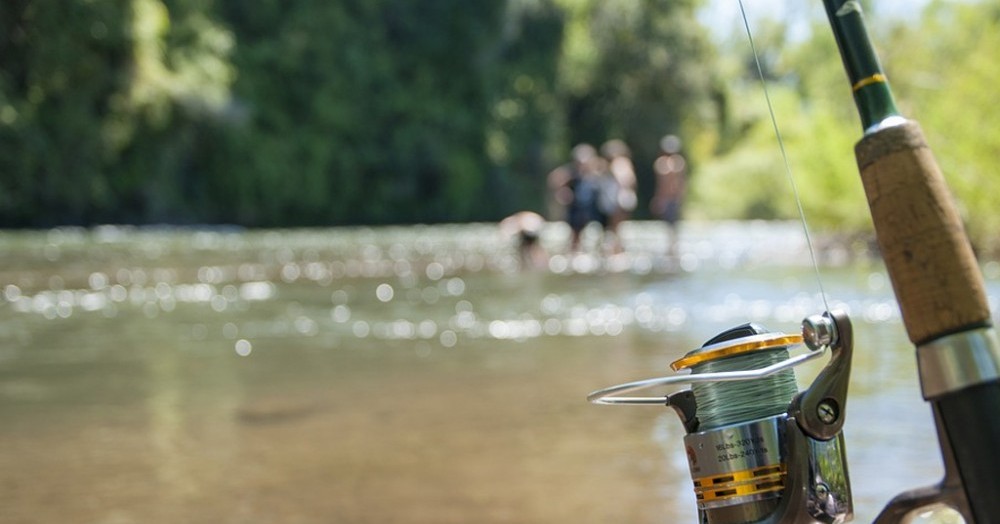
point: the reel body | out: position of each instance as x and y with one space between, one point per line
758 450
768 471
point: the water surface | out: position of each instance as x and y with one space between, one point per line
410 375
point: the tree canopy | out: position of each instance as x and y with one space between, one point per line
316 113
941 72
302 112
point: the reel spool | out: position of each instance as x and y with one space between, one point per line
758 450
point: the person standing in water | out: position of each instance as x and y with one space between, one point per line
617 199
671 172
576 187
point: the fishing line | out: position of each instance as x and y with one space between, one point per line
725 403
722 403
784 157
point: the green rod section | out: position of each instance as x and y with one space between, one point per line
871 87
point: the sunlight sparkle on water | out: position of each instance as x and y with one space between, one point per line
243 347
448 338
340 306
384 292
340 314
443 285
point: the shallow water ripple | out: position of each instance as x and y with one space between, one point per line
403 374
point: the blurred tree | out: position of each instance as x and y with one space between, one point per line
179 81
59 72
359 112
98 107
310 112
525 113
945 75
637 70
818 123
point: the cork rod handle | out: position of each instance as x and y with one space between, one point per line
933 269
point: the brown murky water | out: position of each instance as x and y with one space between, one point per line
407 375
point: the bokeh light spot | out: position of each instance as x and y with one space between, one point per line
243 347
384 292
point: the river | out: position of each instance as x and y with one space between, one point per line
403 374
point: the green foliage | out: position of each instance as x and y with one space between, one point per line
751 182
525 109
818 126
99 109
311 112
637 71
943 76
60 70
358 111
377 111
948 85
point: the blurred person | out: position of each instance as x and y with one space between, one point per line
576 187
671 172
618 198
525 229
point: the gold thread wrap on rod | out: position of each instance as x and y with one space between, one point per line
877 78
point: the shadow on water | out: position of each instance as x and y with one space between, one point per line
406 374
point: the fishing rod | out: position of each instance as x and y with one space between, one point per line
936 280
759 451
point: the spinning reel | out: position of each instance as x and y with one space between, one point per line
758 450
